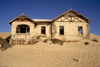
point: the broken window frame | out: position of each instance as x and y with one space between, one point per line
26 29
43 28
61 28
80 30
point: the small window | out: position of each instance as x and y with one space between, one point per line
80 30
43 30
61 30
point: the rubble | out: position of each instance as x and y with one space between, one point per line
54 41
4 44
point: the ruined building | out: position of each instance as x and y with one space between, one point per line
70 25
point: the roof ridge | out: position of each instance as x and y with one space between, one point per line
68 11
18 17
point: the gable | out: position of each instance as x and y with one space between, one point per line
21 18
69 18
72 16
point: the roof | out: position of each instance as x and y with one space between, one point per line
76 13
42 20
49 20
22 16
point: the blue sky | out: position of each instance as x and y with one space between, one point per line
48 9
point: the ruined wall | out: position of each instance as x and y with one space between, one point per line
71 30
27 36
87 31
38 29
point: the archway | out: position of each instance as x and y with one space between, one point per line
23 29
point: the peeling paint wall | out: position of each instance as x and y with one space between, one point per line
22 35
71 30
38 29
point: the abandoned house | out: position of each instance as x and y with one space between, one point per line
70 25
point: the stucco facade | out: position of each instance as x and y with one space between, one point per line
22 35
38 29
67 26
71 30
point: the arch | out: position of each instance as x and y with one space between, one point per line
23 28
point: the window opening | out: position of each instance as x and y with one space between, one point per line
61 30
80 30
43 30
22 29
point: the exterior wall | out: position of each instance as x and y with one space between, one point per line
34 30
22 35
38 29
70 30
69 20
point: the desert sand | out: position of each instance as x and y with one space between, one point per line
53 55
4 35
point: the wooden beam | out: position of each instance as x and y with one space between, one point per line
77 19
66 18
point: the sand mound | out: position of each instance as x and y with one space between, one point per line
4 35
53 55
93 36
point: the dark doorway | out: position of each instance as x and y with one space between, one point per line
61 30
22 29
43 30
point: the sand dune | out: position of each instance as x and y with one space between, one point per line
4 35
93 36
53 55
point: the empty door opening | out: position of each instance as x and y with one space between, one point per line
43 30
61 30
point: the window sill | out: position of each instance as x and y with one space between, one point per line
80 35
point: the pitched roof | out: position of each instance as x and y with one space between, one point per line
21 16
76 13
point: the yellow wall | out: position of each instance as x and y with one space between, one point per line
71 29
38 28
17 35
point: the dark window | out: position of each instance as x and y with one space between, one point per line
22 29
43 29
61 30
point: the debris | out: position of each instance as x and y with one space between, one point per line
4 44
86 43
95 40
75 60
54 41
45 41
33 41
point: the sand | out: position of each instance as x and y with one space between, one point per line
53 55
4 35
